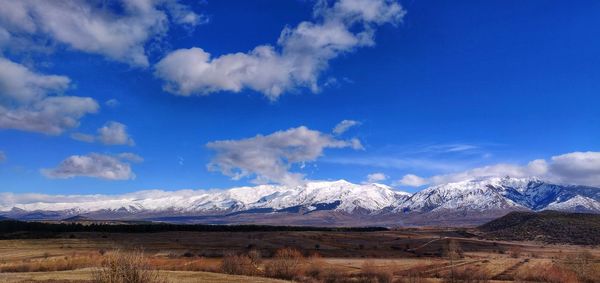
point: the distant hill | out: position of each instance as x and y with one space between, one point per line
546 226
76 218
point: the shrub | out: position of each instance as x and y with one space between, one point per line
286 264
316 267
583 263
546 272
119 267
471 275
238 264
255 257
515 252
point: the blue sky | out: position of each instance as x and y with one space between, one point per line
439 89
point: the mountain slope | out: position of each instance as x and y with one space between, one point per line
548 226
328 203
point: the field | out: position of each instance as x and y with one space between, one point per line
420 255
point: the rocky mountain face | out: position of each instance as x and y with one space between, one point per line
326 203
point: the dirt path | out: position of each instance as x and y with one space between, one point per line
448 266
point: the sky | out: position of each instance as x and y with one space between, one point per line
111 97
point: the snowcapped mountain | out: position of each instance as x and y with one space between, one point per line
338 202
338 195
504 194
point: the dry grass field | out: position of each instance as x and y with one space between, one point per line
390 256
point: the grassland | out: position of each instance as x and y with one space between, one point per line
384 256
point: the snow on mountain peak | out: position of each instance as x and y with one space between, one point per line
350 197
482 194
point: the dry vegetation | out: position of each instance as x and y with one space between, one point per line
380 257
131 267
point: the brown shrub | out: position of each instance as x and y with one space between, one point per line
120 267
583 263
471 275
315 268
286 264
51 264
255 256
515 251
238 264
546 272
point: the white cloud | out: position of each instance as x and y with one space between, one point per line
115 29
93 165
28 101
2 156
411 181
344 126
376 178
576 167
130 157
270 157
83 137
580 168
300 56
112 133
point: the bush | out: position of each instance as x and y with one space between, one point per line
286 264
238 264
515 252
471 275
546 272
119 267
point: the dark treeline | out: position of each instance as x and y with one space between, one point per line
12 226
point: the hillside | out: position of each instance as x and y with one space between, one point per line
546 226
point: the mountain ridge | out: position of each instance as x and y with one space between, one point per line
466 202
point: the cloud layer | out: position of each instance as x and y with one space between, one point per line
94 165
117 30
269 158
582 168
29 101
300 56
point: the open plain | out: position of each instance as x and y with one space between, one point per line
415 255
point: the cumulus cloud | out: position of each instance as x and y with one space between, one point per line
581 168
93 165
117 30
301 53
112 133
269 158
411 181
30 101
376 178
344 126
576 167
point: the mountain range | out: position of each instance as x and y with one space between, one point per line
326 203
